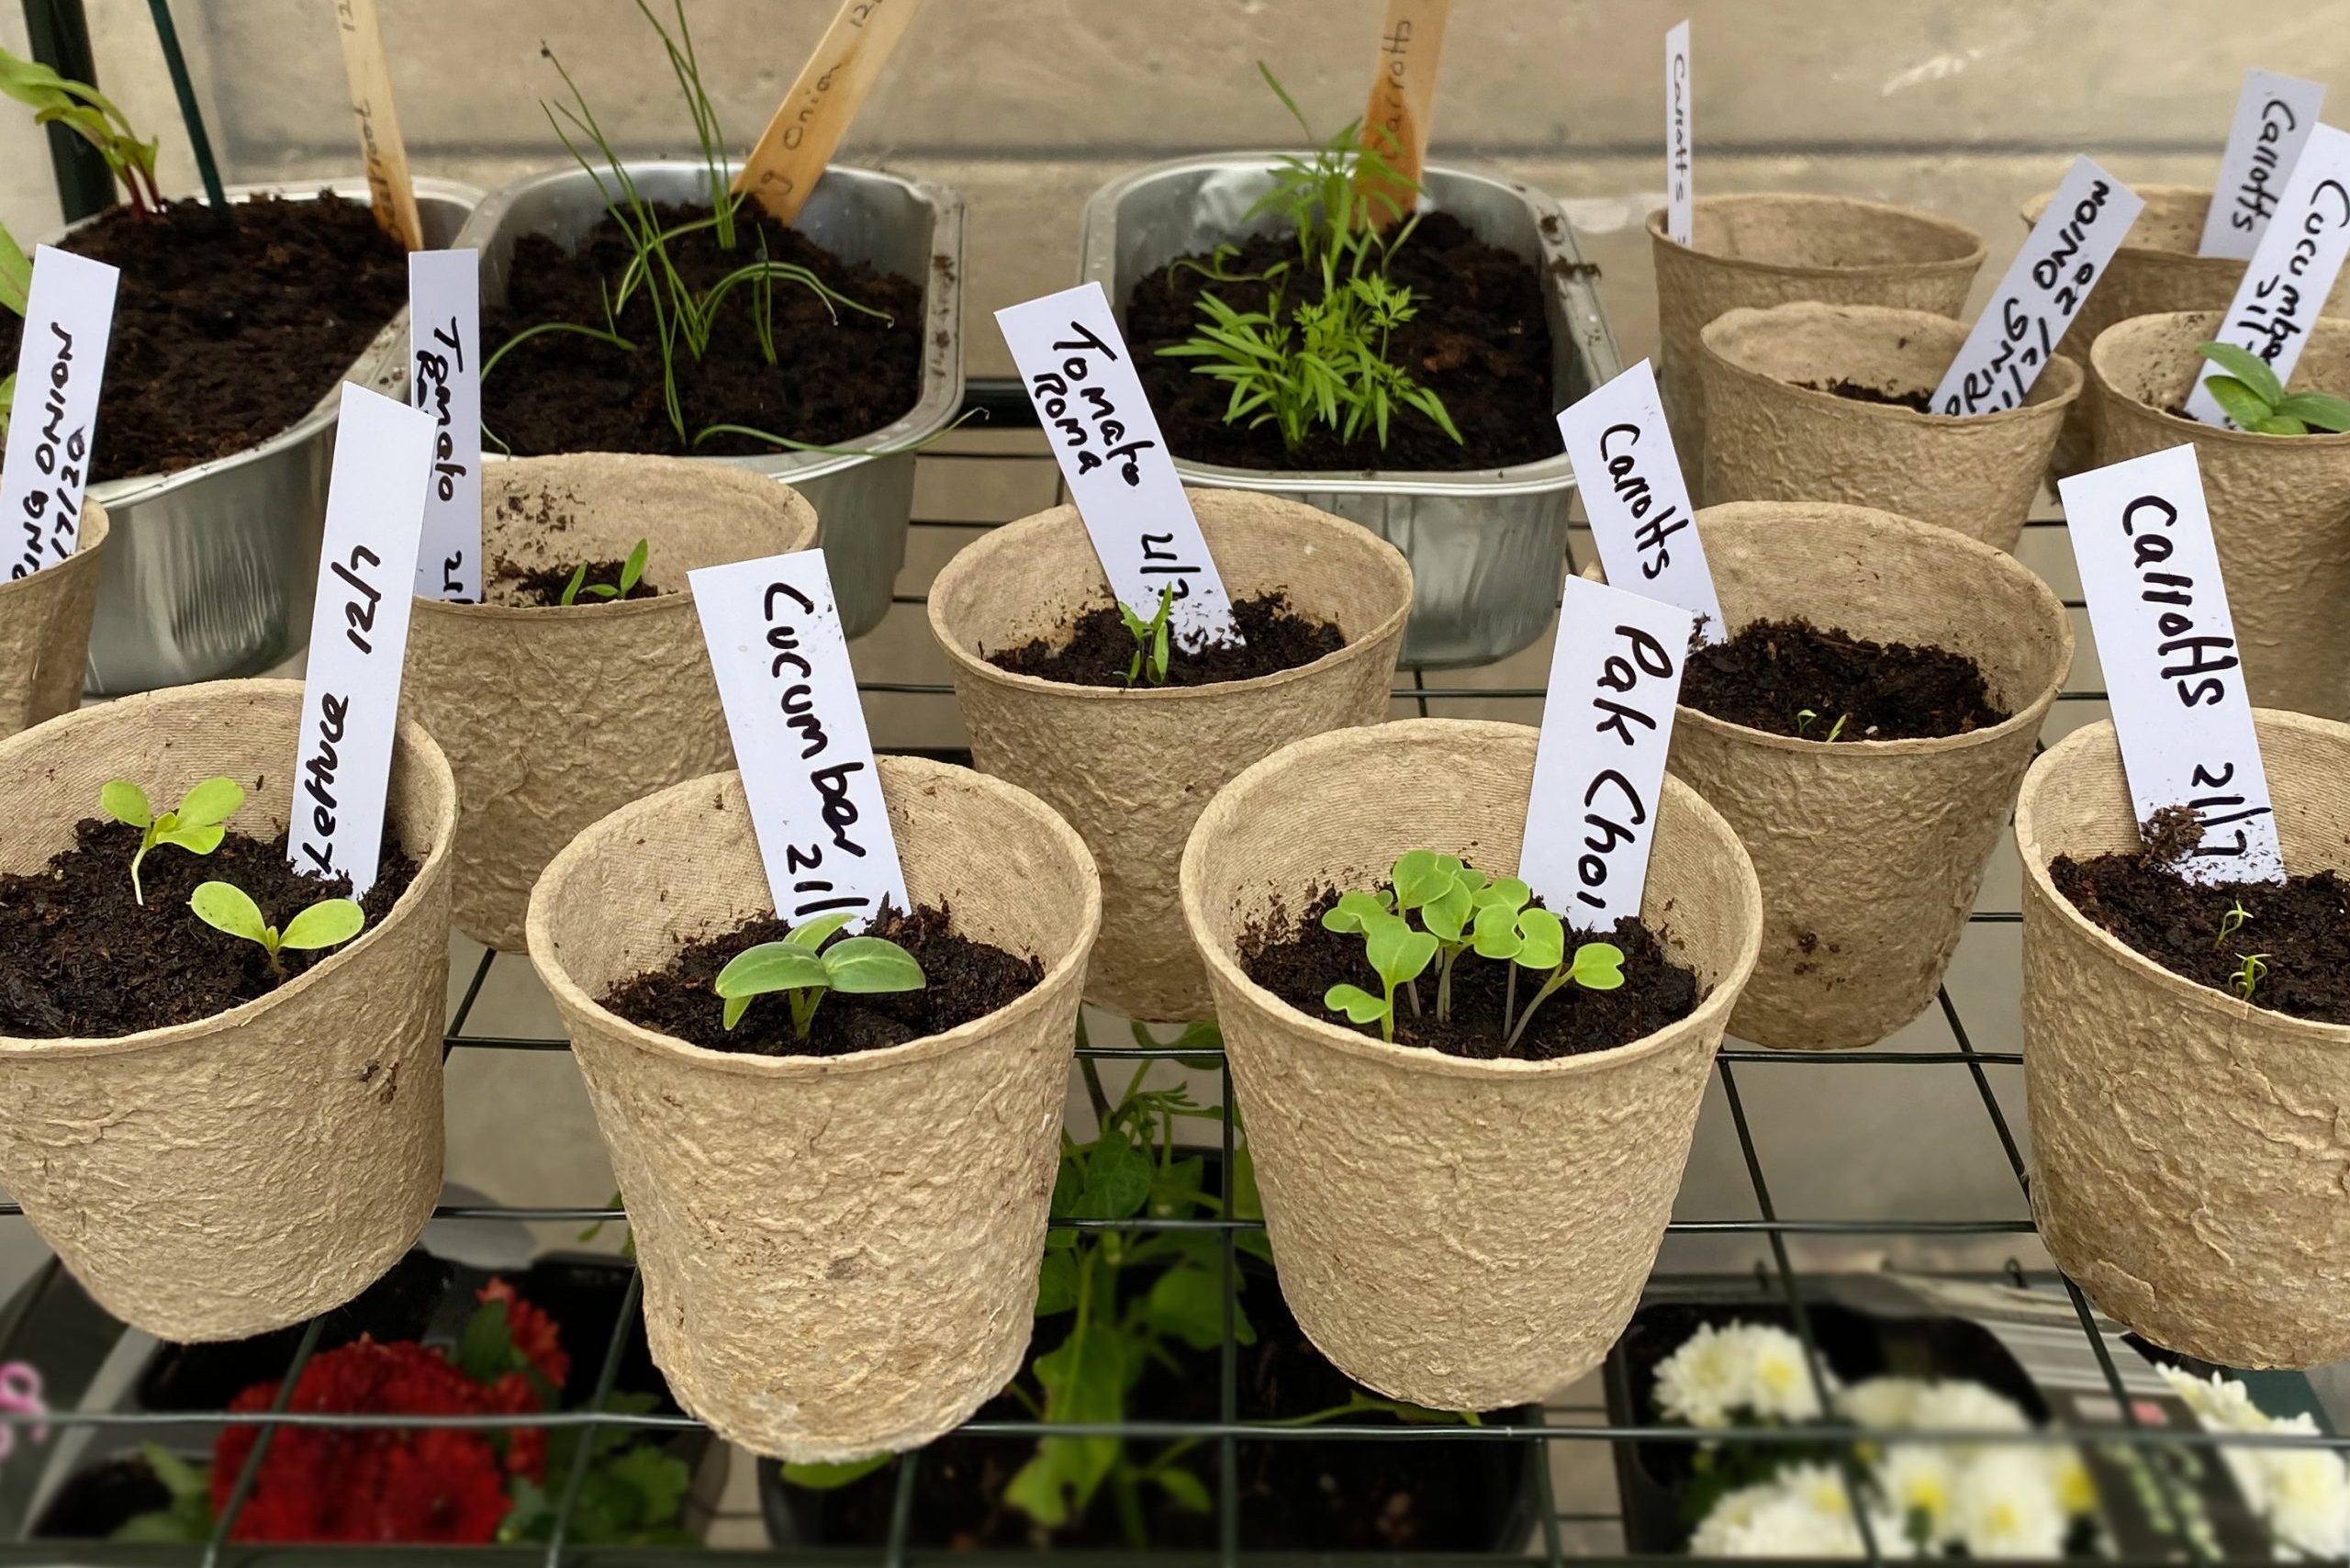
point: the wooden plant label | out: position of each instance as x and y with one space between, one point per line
389 188
60 360
1599 767
1080 376
808 126
1680 202
444 380
351 693
2293 268
2045 287
2274 117
2151 576
1396 122
784 678
1639 503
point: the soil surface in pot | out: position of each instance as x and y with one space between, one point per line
834 380
540 587
2300 928
1299 961
223 337
80 959
1771 673
965 979
1098 650
1853 391
1479 340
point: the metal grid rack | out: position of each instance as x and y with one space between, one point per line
1556 1528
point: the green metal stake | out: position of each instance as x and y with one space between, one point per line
190 115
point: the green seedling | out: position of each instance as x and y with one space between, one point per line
2230 924
1151 644
804 968
224 906
632 574
90 114
193 825
1807 717
2249 394
2251 968
15 287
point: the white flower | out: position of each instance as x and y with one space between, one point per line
1919 1483
1882 1402
1957 1406
2221 1404
1778 1375
1706 1378
2006 1506
1730 1517
2309 1500
1804 1512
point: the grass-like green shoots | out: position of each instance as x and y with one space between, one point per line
632 574
2230 924
224 906
804 968
194 824
2248 392
2250 969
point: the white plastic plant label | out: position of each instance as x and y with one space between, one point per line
1639 503
784 678
1080 374
2063 258
60 360
1680 200
2275 115
2293 268
2151 575
444 380
351 692
1599 767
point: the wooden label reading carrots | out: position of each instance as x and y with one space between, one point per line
390 189
1395 122
799 141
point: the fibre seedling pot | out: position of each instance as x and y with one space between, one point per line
553 717
1869 851
1760 251
1461 1234
839 1253
1773 435
45 631
2280 504
1131 768
2187 1144
224 1178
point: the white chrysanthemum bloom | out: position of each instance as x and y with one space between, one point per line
1779 1379
2221 1403
1806 1511
1919 1484
2076 1488
2006 1506
1732 1512
2309 1501
1882 1402
1957 1406
1706 1378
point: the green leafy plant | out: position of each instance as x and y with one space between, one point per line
632 574
2251 968
1805 718
16 288
195 825
2249 393
1151 643
224 906
804 968
2230 924
93 116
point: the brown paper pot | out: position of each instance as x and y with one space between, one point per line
45 632
1769 437
1462 1234
2280 504
2188 1147
1761 251
1869 851
1131 769
555 717
840 1254
224 1178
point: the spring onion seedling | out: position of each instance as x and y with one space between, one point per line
90 114
224 906
1807 717
2251 967
16 288
1150 638
2249 394
2230 924
632 574
193 825
804 968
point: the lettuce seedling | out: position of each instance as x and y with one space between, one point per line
195 826
2250 394
224 906
632 574
804 968
1150 638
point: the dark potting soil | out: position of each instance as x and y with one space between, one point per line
1098 650
1480 341
1770 672
79 958
544 586
834 381
965 980
1922 402
1299 961
223 337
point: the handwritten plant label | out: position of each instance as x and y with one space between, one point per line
2151 575
2293 270
444 380
784 678
1395 122
2274 117
1638 502
1599 767
60 359
1680 202
1082 377
791 154
351 693
2063 257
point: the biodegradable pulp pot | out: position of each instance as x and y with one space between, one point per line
1761 251
1131 768
220 1179
554 717
1869 851
1772 437
45 631
839 1253
1462 1234
2188 1146
2280 504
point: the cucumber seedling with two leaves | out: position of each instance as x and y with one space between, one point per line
2248 392
224 906
195 825
632 574
804 968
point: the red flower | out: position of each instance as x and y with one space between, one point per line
533 1332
